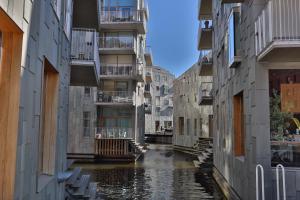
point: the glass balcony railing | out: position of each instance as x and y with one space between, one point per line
122 16
114 97
205 57
113 132
117 70
120 42
205 24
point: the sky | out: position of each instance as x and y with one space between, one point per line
172 34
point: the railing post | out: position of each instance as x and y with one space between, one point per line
279 166
261 169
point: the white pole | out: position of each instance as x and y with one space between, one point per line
261 169
280 166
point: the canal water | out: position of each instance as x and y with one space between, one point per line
161 174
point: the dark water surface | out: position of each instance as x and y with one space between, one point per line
161 174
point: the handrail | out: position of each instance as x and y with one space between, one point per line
280 166
260 167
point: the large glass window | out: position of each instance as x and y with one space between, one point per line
284 94
233 37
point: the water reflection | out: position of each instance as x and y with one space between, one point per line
162 174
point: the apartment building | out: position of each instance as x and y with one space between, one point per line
193 105
256 75
159 101
114 110
34 84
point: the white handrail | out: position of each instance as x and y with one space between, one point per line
260 167
280 166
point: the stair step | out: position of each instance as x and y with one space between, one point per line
83 184
72 180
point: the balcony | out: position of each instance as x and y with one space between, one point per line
232 1
148 108
148 56
148 77
114 71
204 9
117 45
278 33
205 35
126 19
140 76
85 61
148 91
113 133
205 94
206 63
114 98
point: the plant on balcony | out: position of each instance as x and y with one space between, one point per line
279 121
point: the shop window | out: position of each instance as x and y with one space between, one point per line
238 121
49 120
181 125
285 116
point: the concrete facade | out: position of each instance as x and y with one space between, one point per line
248 75
45 31
160 101
195 117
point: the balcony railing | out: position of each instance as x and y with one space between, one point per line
119 42
205 93
122 16
117 70
84 52
278 26
113 133
205 57
114 97
205 35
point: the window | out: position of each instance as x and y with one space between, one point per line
188 126
181 125
10 62
195 126
157 111
87 92
157 126
238 122
234 38
157 101
86 124
166 102
48 133
200 126
168 124
57 7
284 96
157 77
157 88
68 14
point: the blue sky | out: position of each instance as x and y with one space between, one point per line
172 34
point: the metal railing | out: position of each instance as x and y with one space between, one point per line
205 90
113 132
117 70
122 16
205 57
123 42
114 97
278 167
279 21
